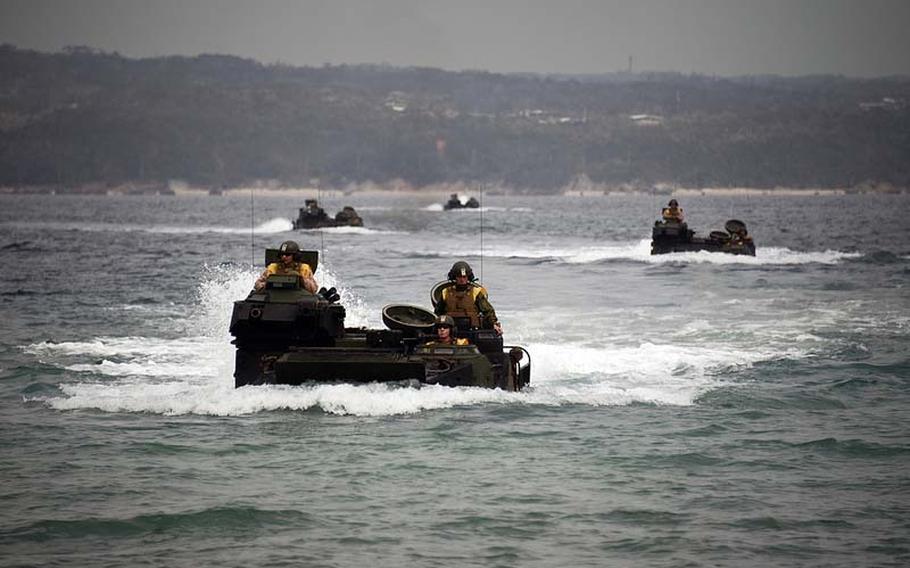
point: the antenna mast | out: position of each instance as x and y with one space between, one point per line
481 232
321 229
252 233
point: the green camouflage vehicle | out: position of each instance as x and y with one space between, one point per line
674 236
287 335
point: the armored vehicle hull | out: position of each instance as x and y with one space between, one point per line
314 217
286 335
455 202
671 236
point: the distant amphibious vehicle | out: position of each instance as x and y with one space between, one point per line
673 236
312 216
287 335
455 202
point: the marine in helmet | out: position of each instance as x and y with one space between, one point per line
672 212
313 208
445 332
739 236
466 300
288 264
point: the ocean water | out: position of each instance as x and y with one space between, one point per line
692 409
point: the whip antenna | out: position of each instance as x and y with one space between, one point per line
321 229
481 232
252 233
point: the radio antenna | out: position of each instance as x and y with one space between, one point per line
252 233
321 229
481 231
321 246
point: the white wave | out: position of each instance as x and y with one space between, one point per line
140 368
357 312
201 383
562 374
584 254
118 346
273 226
377 208
276 225
361 400
193 373
355 231
641 252
215 297
763 256
649 373
484 209
573 254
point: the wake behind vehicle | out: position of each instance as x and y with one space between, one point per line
287 335
674 236
312 216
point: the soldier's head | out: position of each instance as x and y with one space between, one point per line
673 203
288 250
461 273
444 327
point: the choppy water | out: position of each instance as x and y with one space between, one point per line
686 410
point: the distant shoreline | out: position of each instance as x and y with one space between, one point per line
725 191
436 191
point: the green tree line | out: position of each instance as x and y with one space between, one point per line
82 116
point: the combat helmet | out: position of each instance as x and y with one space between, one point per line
289 247
445 321
461 268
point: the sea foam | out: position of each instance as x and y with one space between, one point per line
640 251
192 373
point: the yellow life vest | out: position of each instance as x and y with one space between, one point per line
463 303
671 214
301 269
457 341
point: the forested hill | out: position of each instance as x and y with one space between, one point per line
83 117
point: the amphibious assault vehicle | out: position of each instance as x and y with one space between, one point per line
673 236
312 216
455 202
287 335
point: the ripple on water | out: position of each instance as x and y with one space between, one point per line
240 521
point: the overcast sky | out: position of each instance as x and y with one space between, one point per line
723 37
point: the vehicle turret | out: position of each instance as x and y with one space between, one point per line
285 313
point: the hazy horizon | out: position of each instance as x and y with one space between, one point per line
709 37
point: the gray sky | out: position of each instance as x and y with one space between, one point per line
724 37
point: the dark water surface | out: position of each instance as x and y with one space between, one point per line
685 410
